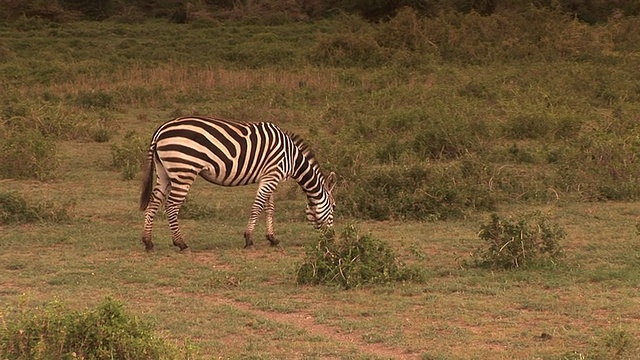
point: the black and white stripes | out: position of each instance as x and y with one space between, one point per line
230 153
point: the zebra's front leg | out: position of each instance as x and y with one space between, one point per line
264 194
270 210
251 225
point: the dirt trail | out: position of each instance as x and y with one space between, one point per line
307 322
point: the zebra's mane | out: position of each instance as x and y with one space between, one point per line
303 147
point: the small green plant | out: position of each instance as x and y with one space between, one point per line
53 332
14 209
101 134
527 241
129 156
350 260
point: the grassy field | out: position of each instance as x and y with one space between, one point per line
479 125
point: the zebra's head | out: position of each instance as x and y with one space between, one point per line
321 214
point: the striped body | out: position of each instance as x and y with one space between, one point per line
229 153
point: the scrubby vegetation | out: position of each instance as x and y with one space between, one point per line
54 332
526 241
349 259
15 209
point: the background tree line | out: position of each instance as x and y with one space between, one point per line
181 11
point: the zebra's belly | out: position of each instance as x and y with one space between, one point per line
225 179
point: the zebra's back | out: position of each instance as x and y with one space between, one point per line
224 152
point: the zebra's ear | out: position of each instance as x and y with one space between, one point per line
330 182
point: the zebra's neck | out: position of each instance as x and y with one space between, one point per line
306 172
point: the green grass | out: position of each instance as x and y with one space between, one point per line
437 136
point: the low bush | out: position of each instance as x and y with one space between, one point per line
418 192
129 156
351 260
53 332
526 241
26 154
14 209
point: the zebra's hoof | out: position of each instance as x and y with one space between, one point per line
186 250
272 240
148 246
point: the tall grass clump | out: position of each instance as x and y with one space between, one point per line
15 209
526 241
351 260
54 332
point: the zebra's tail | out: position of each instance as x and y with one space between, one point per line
147 179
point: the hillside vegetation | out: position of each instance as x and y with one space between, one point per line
423 117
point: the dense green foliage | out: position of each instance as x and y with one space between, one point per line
54 332
527 241
350 260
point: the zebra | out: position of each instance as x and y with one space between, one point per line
230 153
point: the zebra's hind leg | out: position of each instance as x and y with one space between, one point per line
157 198
248 239
174 202
173 208
270 210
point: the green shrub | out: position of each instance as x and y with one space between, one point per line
129 156
53 332
26 154
418 192
350 260
526 241
14 209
